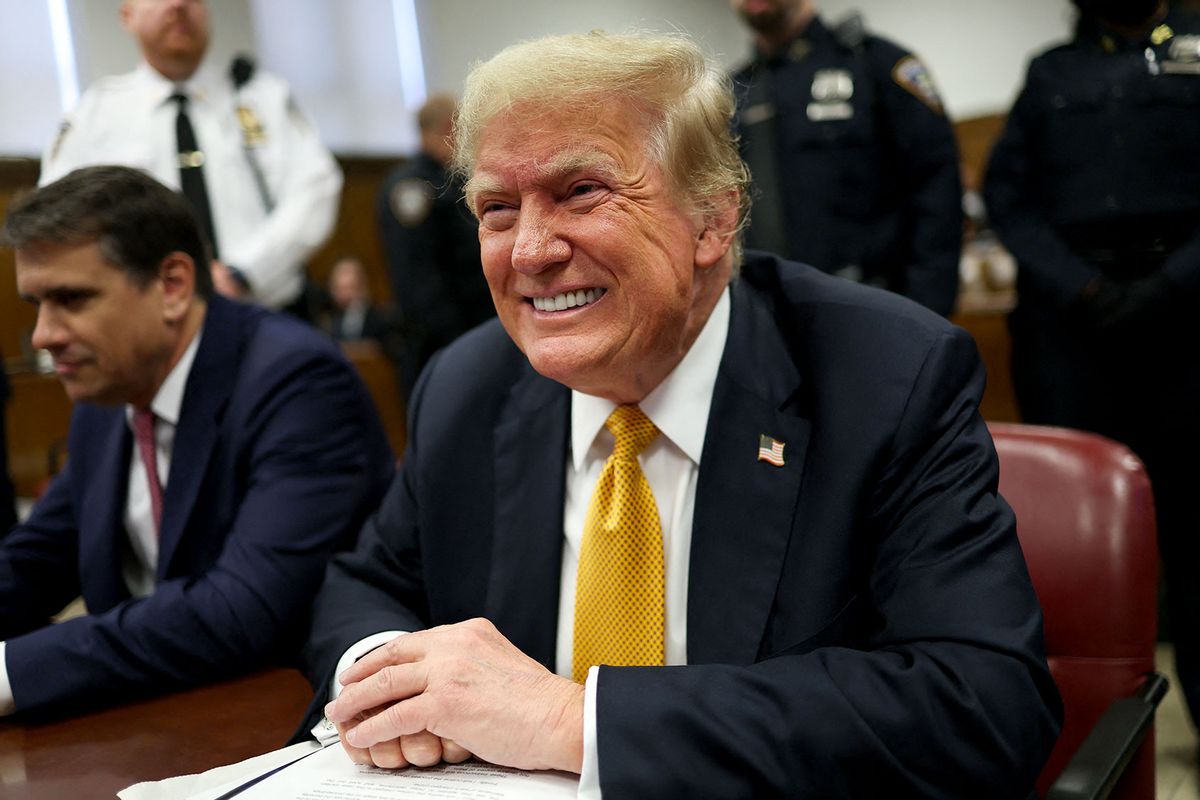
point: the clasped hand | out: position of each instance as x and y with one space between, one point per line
453 691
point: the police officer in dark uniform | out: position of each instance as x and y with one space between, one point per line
1095 188
854 163
431 242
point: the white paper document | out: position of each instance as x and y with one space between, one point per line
331 775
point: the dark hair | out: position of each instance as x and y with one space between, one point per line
134 219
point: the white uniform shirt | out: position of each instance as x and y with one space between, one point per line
129 119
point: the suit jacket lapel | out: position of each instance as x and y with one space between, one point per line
101 521
744 507
208 388
530 470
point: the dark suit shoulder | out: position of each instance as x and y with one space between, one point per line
845 340
821 300
481 366
273 340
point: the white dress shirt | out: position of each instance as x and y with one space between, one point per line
141 558
679 407
129 119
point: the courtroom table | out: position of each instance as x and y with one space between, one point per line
98 754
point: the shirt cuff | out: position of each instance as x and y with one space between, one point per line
589 775
7 705
356 651
325 731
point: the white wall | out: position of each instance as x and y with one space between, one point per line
342 57
977 49
30 109
455 33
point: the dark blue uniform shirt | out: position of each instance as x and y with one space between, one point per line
1098 169
431 242
846 138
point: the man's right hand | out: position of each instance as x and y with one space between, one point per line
468 684
418 750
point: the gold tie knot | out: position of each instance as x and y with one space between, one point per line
633 430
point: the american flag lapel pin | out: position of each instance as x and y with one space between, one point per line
770 450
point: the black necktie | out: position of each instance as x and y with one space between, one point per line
191 171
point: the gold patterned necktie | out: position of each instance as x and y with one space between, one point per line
619 603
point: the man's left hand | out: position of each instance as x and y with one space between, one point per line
466 684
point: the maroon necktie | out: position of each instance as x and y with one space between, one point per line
143 433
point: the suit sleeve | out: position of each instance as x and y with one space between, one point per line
1018 211
378 586
948 696
927 163
8 500
304 469
38 572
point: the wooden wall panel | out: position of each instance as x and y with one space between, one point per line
975 139
16 317
356 232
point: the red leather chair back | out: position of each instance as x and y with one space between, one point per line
1085 518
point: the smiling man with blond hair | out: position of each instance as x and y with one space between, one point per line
685 523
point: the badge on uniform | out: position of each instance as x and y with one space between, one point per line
252 129
911 74
411 200
1184 56
831 93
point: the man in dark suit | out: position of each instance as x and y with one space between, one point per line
807 583
218 455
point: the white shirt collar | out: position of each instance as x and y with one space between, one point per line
169 399
678 406
199 88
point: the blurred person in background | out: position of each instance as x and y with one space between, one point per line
854 162
431 243
354 317
230 137
1094 186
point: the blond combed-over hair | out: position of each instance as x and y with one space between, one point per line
688 98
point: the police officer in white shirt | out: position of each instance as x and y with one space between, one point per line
272 188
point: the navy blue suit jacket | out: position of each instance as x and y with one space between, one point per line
860 620
278 458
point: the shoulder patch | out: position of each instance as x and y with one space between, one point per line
411 199
911 74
